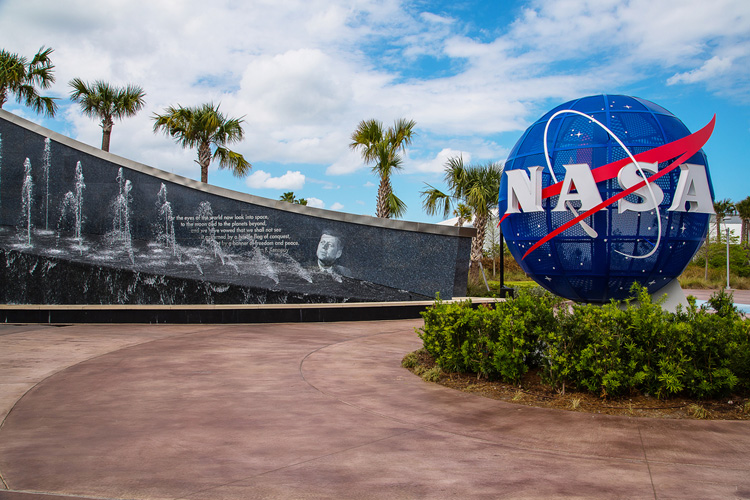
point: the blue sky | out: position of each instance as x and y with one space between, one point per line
472 74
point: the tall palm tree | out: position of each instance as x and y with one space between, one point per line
722 209
101 100
204 127
477 186
20 77
743 210
381 147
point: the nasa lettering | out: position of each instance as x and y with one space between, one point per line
605 191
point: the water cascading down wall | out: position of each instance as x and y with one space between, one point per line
81 226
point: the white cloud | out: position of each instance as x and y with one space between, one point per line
298 86
437 164
631 39
436 19
347 164
263 180
323 183
337 206
315 202
710 69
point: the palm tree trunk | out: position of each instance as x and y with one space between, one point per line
204 160
384 192
106 133
477 243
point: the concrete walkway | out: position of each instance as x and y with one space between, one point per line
313 411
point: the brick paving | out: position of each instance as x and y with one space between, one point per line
319 410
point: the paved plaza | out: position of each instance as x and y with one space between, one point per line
320 410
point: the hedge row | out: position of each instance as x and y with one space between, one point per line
610 350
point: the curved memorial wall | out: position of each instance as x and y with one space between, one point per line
82 226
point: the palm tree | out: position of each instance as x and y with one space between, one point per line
743 210
381 147
722 209
477 186
290 198
20 77
463 214
204 127
101 100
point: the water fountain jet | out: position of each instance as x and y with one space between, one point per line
73 204
46 164
166 231
26 199
121 220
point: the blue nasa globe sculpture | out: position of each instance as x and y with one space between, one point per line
579 219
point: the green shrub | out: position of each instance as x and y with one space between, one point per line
496 341
609 350
447 326
641 348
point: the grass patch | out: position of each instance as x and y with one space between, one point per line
432 374
698 411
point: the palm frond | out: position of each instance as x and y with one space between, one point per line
21 78
455 175
401 134
434 201
232 160
366 137
396 206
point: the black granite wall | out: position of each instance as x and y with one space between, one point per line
102 217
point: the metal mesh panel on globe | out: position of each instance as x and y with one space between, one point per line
584 286
636 128
579 132
533 160
595 262
546 262
650 106
622 285
624 103
532 141
575 254
557 219
673 128
588 104
536 222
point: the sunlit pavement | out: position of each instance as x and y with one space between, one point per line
320 410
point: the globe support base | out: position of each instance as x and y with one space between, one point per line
673 294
